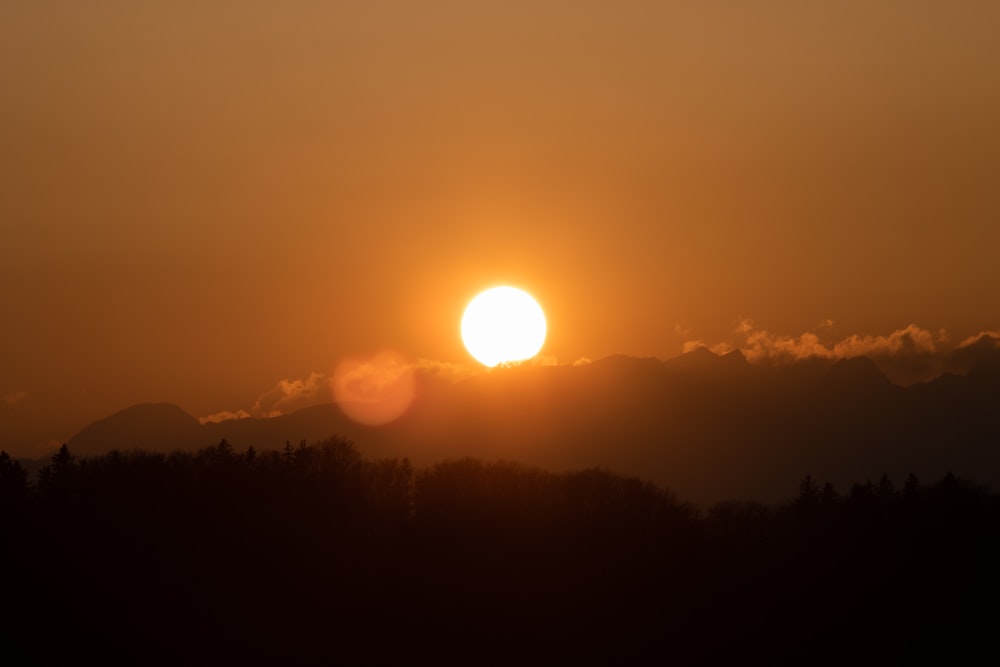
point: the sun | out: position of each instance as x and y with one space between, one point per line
503 325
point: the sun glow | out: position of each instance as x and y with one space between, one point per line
503 325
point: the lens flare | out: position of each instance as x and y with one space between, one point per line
374 391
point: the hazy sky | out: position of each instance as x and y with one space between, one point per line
199 199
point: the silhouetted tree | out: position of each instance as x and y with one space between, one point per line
58 480
223 454
828 496
807 502
862 494
886 489
389 487
13 482
331 539
338 457
808 492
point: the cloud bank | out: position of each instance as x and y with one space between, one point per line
284 397
356 381
908 355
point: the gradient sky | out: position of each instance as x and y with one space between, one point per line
199 199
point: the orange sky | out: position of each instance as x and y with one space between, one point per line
199 199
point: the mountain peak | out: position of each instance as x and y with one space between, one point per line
736 358
150 426
855 371
703 360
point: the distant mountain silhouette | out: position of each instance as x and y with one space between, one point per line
857 372
708 426
979 358
702 361
150 426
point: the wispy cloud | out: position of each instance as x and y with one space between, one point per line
907 355
977 351
909 341
291 395
990 338
284 397
446 370
225 415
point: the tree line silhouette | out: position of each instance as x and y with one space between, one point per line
314 553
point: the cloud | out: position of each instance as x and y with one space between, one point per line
447 370
987 338
909 341
979 351
759 345
284 397
225 415
907 355
291 395
717 348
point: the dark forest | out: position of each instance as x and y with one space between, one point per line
315 554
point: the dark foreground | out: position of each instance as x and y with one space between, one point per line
315 555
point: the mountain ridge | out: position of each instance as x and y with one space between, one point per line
708 426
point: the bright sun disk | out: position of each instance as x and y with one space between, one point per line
503 325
